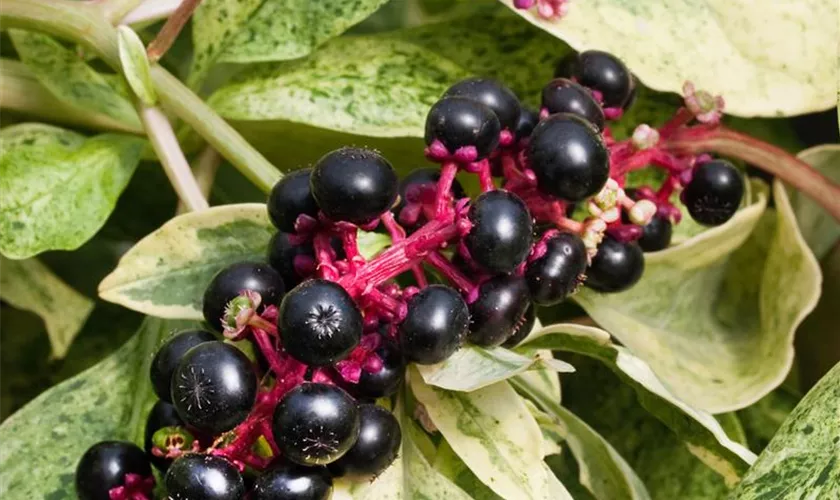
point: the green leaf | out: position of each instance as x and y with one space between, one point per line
166 273
762 419
59 187
803 458
43 441
371 243
450 465
289 29
743 58
67 76
820 230
702 434
135 65
30 285
715 316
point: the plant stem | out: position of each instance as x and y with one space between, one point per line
173 26
204 170
151 11
114 10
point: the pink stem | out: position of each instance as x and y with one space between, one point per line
682 117
450 272
350 243
485 176
257 322
268 350
444 187
398 234
324 256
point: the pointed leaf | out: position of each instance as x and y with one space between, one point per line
135 65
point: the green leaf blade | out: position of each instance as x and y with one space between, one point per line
135 65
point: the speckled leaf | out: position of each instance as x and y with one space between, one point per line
59 187
135 65
803 458
493 432
165 274
715 316
288 29
820 230
701 433
741 55
70 78
448 463
30 285
43 441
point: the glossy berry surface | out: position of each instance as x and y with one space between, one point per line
417 186
458 122
714 193
282 253
228 283
528 119
616 267
568 157
523 328
500 238
214 387
377 446
319 322
315 424
288 481
169 355
289 198
562 95
500 99
105 465
555 275
436 325
501 304
162 415
354 184
386 381
204 477
656 234
599 71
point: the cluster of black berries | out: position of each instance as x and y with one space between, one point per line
332 331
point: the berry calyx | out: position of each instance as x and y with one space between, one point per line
562 95
500 237
500 99
385 381
552 277
435 326
501 305
231 281
169 355
162 415
289 481
315 424
714 193
291 197
656 234
599 71
319 323
204 477
377 446
458 122
106 466
616 267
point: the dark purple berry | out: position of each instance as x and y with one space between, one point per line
568 157
500 238
616 267
500 99
289 481
459 122
231 281
281 256
714 193
386 381
377 447
528 119
565 96
501 304
555 275
410 186
656 235
523 328
205 477
105 465
319 323
291 197
214 387
354 184
162 415
436 325
169 355
599 71
315 424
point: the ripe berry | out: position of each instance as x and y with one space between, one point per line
387 380
616 267
500 237
568 157
105 466
289 198
354 184
500 99
714 193
228 283
523 328
377 446
458 122
319 322
556 274
501 304
169 355
418 181
315 424
214 387
206 477
528 119
288 481
281 256
436 325
162 415
565 96
599 71
656 234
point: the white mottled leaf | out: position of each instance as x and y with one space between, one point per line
135 65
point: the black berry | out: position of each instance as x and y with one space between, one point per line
289 481
458 122
436 325
228 283
599 71
656 234
315 424
169 355
387 380
714 193
556 274
281 256
501 304
568 157
162 415
500 99
528 119
204 477
291 197
616 267
214 387
105 466
319 322
501 234
377 446
422 181
523 328
354 184
565 96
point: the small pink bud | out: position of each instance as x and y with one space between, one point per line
645 137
